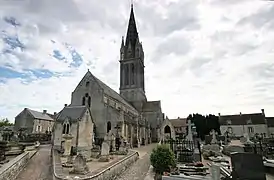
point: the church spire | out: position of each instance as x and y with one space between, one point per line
132 33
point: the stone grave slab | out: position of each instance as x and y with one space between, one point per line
247 166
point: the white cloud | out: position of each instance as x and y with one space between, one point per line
200 56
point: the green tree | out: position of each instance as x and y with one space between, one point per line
5 122
204 124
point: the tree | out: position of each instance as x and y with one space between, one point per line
5 122
204 124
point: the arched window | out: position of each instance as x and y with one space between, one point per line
132 73
83 101
108 126
66 128
89 101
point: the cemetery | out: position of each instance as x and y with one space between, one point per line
105 161
14 154
218 157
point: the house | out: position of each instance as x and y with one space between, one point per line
239 124
34 121
180 126
77 122
270 125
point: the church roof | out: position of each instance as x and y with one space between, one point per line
39 115
110 92
72 112
152 106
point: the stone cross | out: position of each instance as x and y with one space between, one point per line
189 133
67 145
214 139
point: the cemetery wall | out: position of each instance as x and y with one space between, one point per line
11 169
107 174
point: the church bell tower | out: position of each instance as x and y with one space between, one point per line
132 84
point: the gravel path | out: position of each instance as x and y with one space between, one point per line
139 169
38 168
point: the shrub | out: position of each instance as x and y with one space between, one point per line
162 159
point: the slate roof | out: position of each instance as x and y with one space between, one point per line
39 115
242 119
180 122
270 121
110 92
72 112
152 106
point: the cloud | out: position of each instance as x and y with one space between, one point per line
205 57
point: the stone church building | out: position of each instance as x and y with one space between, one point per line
127 113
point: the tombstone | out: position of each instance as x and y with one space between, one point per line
80 165
248 141
215 172
214 139
67 145
208 139
189 134
105 149
247 166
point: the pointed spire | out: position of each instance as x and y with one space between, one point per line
123 42
132 33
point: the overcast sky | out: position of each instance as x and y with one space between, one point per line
211 56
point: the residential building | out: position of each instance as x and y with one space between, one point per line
239 124
34 121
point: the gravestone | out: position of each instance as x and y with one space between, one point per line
215 172
105 149
80 165
247 166
208 139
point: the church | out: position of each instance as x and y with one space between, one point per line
127 113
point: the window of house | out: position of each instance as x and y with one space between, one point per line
49 129
38 128
229 122
250 129
249 121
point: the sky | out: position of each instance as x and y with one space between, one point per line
211 56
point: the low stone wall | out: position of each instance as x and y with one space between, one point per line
109 173
10 170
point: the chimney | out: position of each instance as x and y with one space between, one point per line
54 113
44 111
240 113
66 105
219 114
262 111
178 117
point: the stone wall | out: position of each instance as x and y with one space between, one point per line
109 173
10 170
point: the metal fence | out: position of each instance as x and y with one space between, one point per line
183 149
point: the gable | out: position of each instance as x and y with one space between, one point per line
87 80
